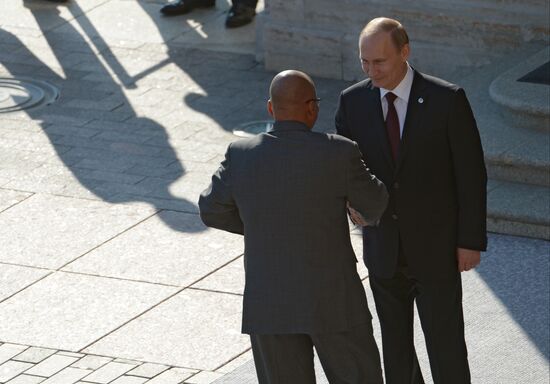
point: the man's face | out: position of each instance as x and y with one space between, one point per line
382 61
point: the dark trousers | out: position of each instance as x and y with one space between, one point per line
439 305
250 3
349 357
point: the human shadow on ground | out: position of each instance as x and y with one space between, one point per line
117 161
518 272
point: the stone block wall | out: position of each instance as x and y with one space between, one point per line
320 36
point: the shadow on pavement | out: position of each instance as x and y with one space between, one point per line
110 158
518 272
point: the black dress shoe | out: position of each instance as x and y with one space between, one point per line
239 15
185 6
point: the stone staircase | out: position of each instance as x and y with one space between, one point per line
320 36
514 122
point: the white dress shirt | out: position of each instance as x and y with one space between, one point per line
402 91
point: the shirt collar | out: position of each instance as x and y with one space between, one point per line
403 90
289 125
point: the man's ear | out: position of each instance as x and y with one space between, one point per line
405 52
270 108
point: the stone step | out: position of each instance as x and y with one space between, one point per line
518 209
512 153
445 34
525 104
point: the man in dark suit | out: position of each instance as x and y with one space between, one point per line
417 134
286 190
241 13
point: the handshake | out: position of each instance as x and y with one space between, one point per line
357 218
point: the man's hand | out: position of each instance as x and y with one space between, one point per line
356 217
467 259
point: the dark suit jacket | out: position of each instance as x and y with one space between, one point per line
438 186
286 191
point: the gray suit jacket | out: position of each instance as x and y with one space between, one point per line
286 191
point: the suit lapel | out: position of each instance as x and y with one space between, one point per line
375 116
418 99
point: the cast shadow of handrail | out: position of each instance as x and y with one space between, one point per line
115 146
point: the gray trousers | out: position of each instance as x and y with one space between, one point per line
349 357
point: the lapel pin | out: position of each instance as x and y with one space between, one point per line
420 100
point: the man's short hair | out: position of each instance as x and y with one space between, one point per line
393 27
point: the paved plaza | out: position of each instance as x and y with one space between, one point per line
107 274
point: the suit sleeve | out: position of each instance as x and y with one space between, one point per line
365 192
217 206
470 174
340 118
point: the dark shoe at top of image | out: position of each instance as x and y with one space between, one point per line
181 7
239 15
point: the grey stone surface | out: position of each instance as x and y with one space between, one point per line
172 376
478 30
34 355
229 278
203 329
109 372
204 377
69 375
9 198
154 252
148 370
68 311
129 380
7 351
14 278
11 369
26 379
527 104
91 362
42 230
51 365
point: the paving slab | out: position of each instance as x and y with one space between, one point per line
42 229
11 369
34 355
154 252
228 279
69 375
148 370
68 311
7 351
194 329
14 278
109 372
172 376
26 379
9 198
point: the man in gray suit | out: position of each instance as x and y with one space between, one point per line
286 191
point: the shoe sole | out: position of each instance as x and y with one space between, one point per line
177 13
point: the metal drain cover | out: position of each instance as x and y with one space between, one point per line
25 93
253 128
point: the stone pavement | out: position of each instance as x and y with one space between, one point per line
106 272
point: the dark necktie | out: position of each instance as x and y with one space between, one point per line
392 125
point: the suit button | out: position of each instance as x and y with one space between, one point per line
394 216
396 185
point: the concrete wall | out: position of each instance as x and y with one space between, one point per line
320 36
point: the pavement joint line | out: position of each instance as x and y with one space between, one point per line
156 305
120 278
106 241
18 202
215 291
113 359
25 287
233 359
